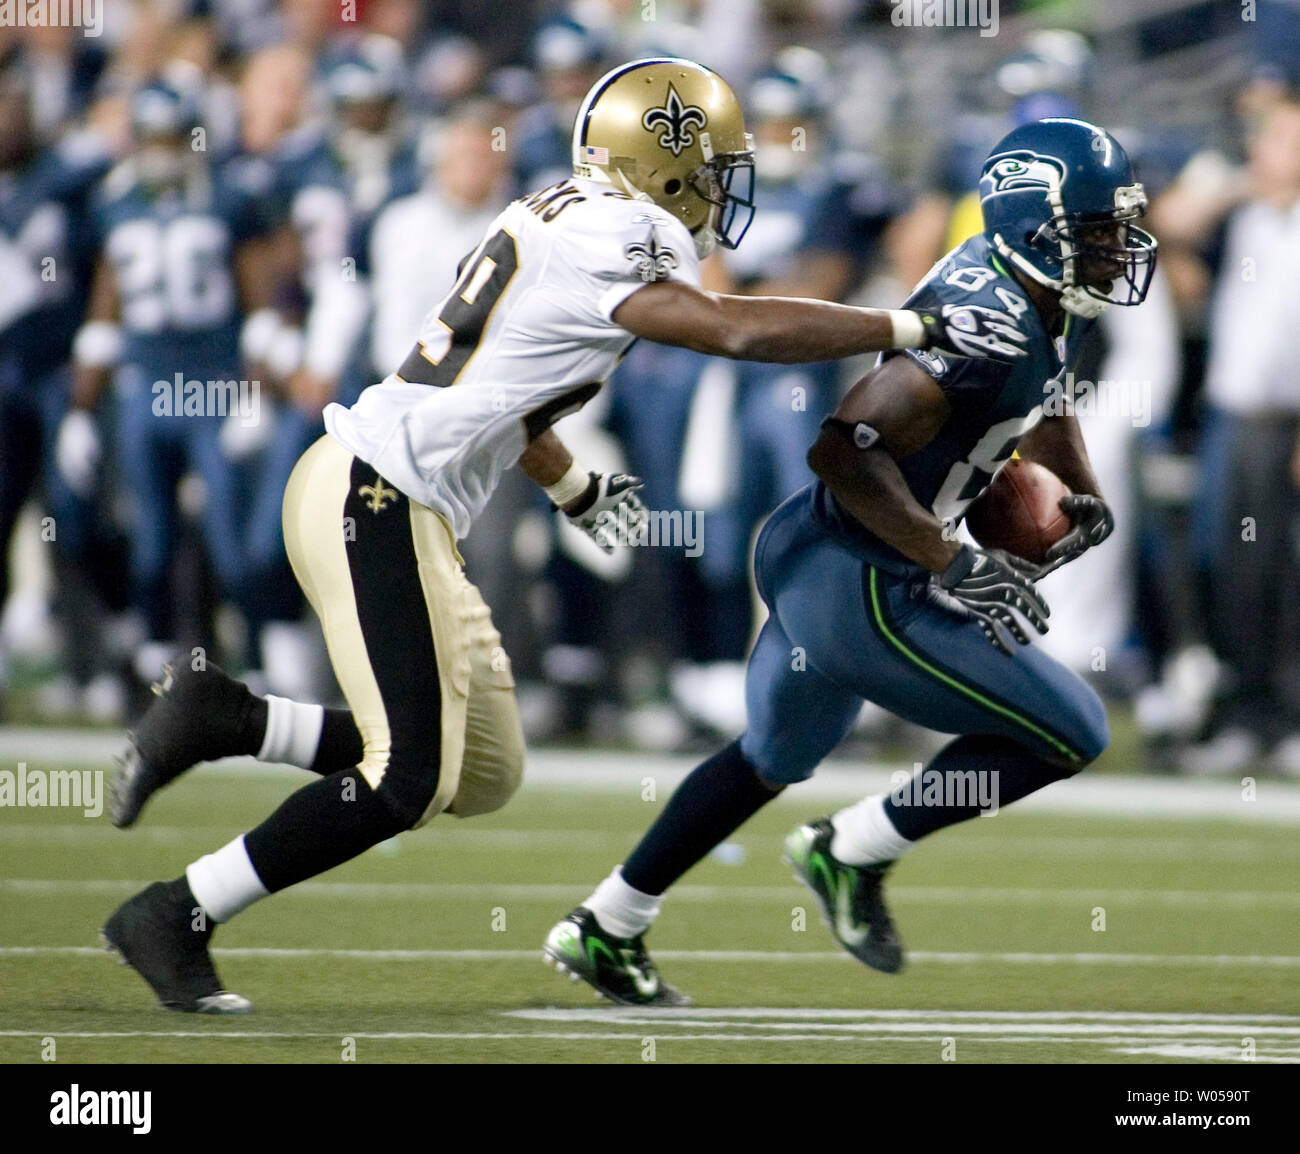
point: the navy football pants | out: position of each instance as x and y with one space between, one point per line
841 631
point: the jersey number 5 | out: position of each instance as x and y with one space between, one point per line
464 315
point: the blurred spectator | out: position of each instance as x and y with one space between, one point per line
272 97
570 58
1250 500
418 240
332 179
44 277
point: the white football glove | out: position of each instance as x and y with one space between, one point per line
609 510
240 437
77 451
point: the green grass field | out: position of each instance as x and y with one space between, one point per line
427 949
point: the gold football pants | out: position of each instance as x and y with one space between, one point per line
410 639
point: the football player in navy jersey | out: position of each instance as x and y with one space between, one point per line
178 260
43 202
872 596
331 182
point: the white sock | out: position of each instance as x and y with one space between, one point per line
621 910
864 834
292 732
225 882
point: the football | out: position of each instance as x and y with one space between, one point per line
1020 511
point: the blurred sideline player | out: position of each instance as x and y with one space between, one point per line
332 181
540 313
871 595
417 239
178 260
44 196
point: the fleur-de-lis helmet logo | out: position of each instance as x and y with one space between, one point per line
677 120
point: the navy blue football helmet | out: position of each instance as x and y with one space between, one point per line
164 117
372 68
1059 199
161 110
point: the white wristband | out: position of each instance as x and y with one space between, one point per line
258 334
98 345
569 487
285 354
909 332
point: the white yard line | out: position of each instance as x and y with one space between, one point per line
1188 1036
561 892
1189 1044
468 839
1275 802
745 956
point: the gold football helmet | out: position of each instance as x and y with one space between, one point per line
671 131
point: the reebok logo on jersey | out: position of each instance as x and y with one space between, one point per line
677 119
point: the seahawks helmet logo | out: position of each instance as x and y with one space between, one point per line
677 119
1023 170
652 262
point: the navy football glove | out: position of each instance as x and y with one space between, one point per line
974 331
987 586
1091 522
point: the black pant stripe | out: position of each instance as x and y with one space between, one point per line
399 637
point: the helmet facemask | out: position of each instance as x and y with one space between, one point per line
1059 201
1095 274
726 181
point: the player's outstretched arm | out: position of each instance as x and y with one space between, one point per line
788 330
98 343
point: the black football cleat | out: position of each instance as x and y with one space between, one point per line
616 968
195 716
852 897
154 933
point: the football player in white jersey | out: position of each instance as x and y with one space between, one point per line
539 316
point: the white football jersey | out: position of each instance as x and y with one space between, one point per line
523 338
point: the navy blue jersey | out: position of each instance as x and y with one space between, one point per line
331 206
43 211
991 405
543 147
172 254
